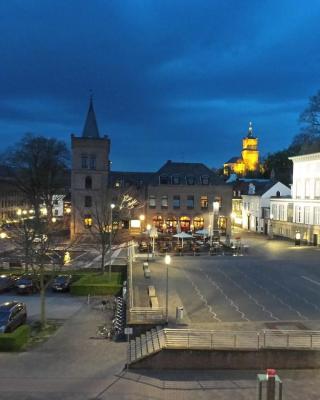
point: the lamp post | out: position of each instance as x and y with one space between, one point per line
167 260
215 208
148 230
142 218
112 206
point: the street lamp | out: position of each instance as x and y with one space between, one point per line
167 260
148 230
142 218
3 235
215 208
112 206
298 238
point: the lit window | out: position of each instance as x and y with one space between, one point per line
204 201
164 202
317 189
88 221
307 189
317 215
152 201
307 215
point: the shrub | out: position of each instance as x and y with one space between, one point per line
98 285
15 340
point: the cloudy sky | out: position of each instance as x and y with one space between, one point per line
172 79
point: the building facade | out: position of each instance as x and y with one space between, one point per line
300 214
179 196
256 205
89 175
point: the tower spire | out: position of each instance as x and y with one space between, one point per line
90 129
250 130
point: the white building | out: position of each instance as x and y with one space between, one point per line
256 205
300 215
57 205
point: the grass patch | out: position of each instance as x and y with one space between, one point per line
39 335
98 284
15 340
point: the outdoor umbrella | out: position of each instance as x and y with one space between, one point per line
204 232
183 235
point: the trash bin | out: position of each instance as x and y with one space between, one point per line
179 314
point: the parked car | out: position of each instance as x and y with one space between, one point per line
12 315
7 282
61 283
26 284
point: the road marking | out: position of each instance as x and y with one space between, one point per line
310 280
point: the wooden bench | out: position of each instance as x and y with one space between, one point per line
154 302
151 291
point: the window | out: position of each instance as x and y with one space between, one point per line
164 202
204 202
190 180
298 214
88 182
87 201
157 221
84 161
164 180
117 184
152 201
274 211
190 202
176 201
198 223
307 189
317 216
205 180
278 193
87 221
219 200
317 189
298 189
281 212
93 161
56 212
176 180
307 215
55 202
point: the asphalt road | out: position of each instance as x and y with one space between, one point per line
276 281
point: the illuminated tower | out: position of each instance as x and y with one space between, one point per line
250 153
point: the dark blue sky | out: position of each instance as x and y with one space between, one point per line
171 79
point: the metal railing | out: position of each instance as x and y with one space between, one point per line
245 340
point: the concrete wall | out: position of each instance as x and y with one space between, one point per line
230 359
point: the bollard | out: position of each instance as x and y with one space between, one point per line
271 380
88 299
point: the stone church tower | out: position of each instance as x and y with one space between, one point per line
250 153
89 174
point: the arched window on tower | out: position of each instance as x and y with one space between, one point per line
88 182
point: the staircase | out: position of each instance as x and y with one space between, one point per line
146 344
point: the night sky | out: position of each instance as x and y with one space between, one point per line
171 79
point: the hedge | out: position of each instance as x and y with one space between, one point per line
94 290
15 340
98 285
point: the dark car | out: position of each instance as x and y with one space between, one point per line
26 284
61 283
12 315
7 282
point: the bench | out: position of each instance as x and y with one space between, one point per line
147 273
154 302
151 291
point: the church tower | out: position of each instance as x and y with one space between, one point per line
89 174
250 153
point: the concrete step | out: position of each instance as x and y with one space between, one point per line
144 348
161 336
149 342
132 350
155 339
